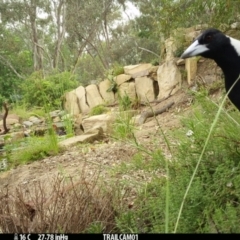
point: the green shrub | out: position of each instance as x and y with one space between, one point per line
117 69
97 110
48 92
124 102
213 201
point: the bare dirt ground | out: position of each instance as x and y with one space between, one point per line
101 156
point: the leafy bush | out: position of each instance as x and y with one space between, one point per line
39 91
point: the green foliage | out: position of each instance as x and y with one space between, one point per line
123 127
124 102
213 201
47 92
117 69
9 85
69 125
89 69
24 113
95 227
32 149
161 18
113 85
97 110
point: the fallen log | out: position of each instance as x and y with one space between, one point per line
150 113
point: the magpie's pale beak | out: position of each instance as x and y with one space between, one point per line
194 49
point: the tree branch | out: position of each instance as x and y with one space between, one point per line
6 62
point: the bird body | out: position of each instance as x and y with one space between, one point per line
225 51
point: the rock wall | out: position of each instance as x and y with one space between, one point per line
145 81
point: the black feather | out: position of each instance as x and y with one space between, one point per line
225 51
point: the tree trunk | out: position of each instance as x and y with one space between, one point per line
37 54
60 16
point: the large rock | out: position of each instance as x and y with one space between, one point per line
180 62
128 88
93 96
145 89
104 121
35 120
170 47
11 119
103 89
169 79
139 70
153 72
190 36
82 101
11 137
71 103
235 25
191 68
86 138
122 78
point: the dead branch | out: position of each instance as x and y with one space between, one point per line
148 114
5 129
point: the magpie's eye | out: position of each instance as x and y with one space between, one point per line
208 38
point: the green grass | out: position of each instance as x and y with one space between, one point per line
97 110
123 126
195 189
24 113
199 189
31 149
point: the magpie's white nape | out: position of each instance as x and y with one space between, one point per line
225 51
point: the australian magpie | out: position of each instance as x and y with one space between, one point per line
225 51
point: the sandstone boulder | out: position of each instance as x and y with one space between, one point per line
139 70
128 88
82 101
104 121
144 89
71 103
103 89
180 62
191 36
153 72
191 68
93 96
169 79
11 119
86 138
122 78
170 47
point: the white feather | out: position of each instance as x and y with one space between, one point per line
236 44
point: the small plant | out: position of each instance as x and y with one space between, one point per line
113 85
117 69
69 125
124 102
97 110
123 127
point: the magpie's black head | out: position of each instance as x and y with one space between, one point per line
225 51
208 44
